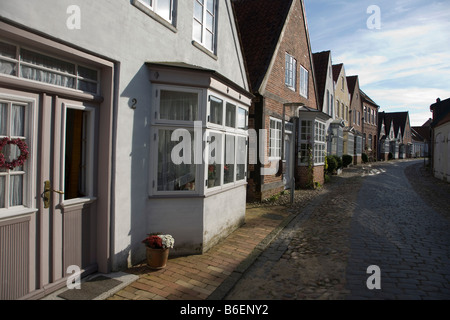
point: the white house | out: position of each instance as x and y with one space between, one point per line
441 139
106 97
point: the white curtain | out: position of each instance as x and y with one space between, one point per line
3 118
16 190
173 176
2 191
181 106
47 77
7 67
17 121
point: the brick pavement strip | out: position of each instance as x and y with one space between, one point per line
206 276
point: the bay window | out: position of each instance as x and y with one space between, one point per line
187 120
312 143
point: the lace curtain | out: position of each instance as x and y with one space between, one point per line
171 176
182 106
12 179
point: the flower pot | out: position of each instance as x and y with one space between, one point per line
157 258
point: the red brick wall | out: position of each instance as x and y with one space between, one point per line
302 174
275 93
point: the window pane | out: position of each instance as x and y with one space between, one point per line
163 8
7 67
216 111
210 5
75 158
241 158
87 86
46 61
209 22
209 40
18 119
3 118
47 77
181 106
198 32
228 169
147 2
242 118
7 50
230 116
215 160
2 191
87 73
198 11
16 190
171 176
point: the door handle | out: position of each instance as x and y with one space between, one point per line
47 193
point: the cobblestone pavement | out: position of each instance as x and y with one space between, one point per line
370 215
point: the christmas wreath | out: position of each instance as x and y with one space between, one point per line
21 144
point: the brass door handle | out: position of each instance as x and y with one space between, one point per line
47 193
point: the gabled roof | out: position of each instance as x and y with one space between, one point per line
367 99
351 83
416 136
337 71
259 24
423 131
399 120
321 60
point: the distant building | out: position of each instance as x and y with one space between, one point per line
421 137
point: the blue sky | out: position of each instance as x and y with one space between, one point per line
404 65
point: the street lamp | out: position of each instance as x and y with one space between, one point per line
292 171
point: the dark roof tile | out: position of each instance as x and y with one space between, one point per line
260 23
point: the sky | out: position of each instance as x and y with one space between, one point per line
399 49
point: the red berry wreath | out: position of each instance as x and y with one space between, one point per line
21 144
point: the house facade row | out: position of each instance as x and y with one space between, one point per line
167 122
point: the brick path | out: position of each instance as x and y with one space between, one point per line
199 277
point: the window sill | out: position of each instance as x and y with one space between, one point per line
77 201
16 212
154 16
204 50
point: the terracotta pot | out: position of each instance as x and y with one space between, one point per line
157 258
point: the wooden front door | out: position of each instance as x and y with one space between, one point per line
48 203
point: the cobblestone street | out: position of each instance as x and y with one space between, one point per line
382 214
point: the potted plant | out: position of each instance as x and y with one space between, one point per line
158 247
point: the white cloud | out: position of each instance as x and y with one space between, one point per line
405 64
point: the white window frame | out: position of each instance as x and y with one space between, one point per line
201 188
304 82
29 181
290 77
205 30
157 103
317 140
89 149
76 77
275 149
153 6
